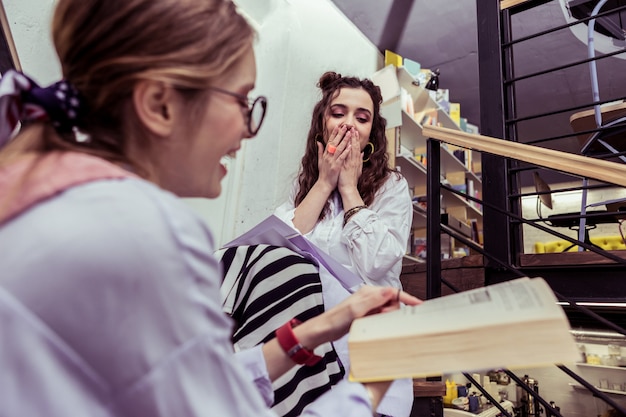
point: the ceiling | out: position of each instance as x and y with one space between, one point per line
439 34
443 34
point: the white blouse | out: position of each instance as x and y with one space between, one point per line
371 245
374 240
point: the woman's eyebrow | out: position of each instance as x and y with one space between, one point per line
344 107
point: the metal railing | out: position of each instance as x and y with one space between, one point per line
609 171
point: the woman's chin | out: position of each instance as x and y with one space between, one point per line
214 187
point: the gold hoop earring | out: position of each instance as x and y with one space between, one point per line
371 152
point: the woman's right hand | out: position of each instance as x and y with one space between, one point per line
330 164
336 322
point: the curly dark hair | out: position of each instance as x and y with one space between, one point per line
375 170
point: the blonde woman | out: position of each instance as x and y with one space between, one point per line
109 292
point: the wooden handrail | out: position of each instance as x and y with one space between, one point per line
505 4
611 172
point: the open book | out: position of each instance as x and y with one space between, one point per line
507 325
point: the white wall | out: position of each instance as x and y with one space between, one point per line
298 40
29 22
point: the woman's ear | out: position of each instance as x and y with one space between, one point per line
155 104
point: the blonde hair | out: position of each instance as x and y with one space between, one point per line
107 46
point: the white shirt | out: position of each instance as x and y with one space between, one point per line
371 245
375 239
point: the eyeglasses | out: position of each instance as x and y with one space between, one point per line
256 109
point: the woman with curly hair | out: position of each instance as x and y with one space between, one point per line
348 201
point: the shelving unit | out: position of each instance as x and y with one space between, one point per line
602 367
612 375
419 217
407 141
608 391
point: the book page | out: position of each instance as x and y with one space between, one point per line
514 301
502 325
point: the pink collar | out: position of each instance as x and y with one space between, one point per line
35 178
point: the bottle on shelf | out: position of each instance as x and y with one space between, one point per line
473 402
433 82
615 355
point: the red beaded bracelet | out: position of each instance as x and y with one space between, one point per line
292 347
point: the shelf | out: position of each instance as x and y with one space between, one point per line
411 137
478 182
415 174
419 217
413 171
410 142
454 200
607 391
421 97
603 371
589 365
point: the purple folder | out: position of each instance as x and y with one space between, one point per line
273 231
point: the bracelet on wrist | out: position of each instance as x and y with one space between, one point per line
351 212
292 347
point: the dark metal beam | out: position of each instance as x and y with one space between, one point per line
6 58
496 230
394 25
433 220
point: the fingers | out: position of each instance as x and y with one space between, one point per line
395 297
320 152
370 299
338 147
354 158
389 298
340 160
408 299
339 140
329 161
366 301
